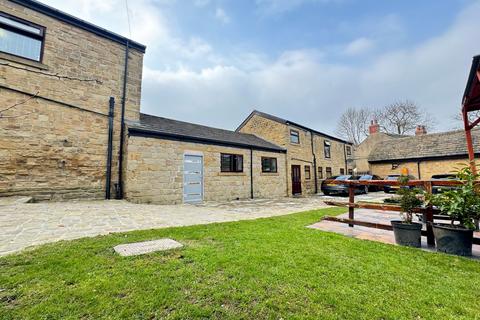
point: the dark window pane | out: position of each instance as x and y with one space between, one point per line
226 160
326 149
307 172
320 173
342 171
238 163
328 172
269 164
294 136
20 45
349 151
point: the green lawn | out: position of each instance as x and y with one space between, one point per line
268 268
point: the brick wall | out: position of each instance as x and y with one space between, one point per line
57 151
154 172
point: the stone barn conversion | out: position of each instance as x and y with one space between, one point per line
312 155
171 161
71 127
61 71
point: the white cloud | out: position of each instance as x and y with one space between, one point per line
432 74
222 16
359 46
279 7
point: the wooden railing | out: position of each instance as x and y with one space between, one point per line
427 211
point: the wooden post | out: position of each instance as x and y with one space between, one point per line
468 137
429 216
351 202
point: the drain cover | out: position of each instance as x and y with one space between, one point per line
137 248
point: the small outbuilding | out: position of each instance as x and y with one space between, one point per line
171 162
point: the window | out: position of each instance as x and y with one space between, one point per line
350 171
328 172
326 148
294 136
307 173
348 150
342 171
320 173
269 164
231 162
21 38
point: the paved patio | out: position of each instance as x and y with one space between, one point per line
27 224
373 234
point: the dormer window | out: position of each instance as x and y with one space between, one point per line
21 38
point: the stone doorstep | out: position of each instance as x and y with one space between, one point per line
138 248
6 201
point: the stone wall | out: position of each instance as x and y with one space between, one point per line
57 148
300 154
363 150
427 168
154 172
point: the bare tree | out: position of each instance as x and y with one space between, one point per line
402 117
353 124
12 108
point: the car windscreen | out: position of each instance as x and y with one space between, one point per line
366 177
392 178
343 178
444 177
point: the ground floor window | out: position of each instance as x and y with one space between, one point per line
328 172
231 162
342 171
307 173
269 164
350 171
320 172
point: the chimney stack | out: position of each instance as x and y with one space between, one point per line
420 130
374 127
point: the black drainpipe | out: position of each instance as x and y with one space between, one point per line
109 148
251 173
418 170
314 164
122 124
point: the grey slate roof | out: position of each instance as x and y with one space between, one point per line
443 144
164 127
287 122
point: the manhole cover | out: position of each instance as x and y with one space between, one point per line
137 248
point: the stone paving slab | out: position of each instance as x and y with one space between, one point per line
29 224
138 248
366 233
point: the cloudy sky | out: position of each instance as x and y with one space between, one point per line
213 61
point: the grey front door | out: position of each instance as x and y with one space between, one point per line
192 178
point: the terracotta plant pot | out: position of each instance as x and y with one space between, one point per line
407 234
453 240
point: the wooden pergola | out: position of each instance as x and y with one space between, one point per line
471 106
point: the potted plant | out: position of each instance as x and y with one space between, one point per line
462 205
407 232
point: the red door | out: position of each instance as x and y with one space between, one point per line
296 180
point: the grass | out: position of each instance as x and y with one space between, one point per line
267 268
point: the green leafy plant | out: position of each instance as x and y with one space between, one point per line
462 203
410 198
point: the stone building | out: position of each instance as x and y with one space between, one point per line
61 72
169 161
421 155
311 155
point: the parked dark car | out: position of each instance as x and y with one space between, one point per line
329 188
395 177
370 188
443 177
